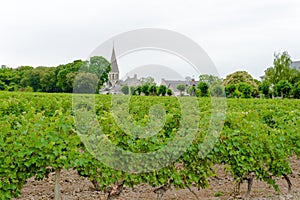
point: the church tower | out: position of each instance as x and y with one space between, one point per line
113 75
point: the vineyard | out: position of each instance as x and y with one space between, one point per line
39 136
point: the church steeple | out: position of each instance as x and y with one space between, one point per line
113 61
113 75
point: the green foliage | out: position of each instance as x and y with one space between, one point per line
245 89
283 88
210 79
191 90
217 90
296 90
147 80
28 89
240 85
181 88
47 79
54 79
204 89
66 74
7 75
132 90
86 82
138 90
153 90
145 89
101 67
169 92
218 194
294 76
281 71
38 135
125 89
241 77
162 90
264 87
281 68
257 140
2 85
229 89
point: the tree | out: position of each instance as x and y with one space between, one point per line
86 83
239 77
65 75
2 85
162 90
229 90
217 90
153 90
139 90
210 79
47 79
8 75
245 89
22 72
296 90
54 79
32 79
12 87
132 90
282 63
283 88
169 92
281 68
264 87
145 89
181 88
125 89
28 89
294 76
191 90
203 87
270 75
101 67
147 81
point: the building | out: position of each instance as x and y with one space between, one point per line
113 76
134 81
295 65
172 84
114 84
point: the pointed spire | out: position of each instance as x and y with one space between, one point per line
114 64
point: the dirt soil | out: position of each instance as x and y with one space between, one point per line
74 187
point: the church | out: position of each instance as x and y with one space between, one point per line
114 84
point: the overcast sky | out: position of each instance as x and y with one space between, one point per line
236 34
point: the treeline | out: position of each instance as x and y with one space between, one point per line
52 79
148 87
280 80
147 90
